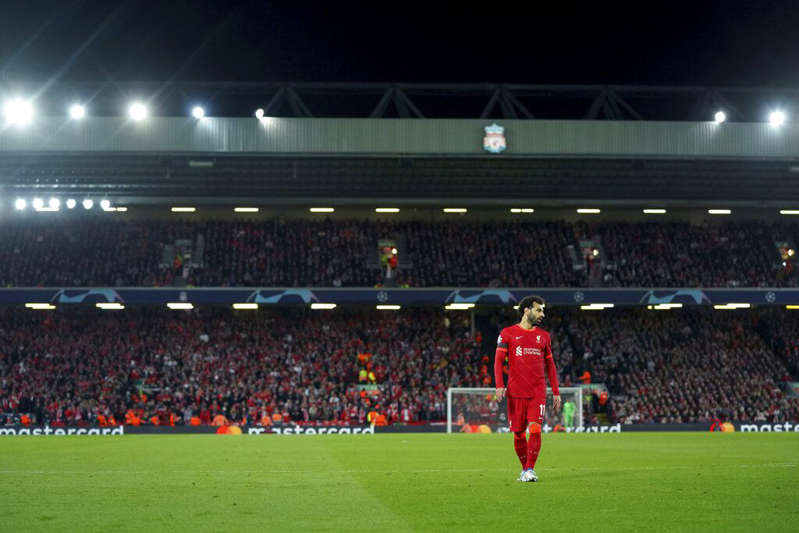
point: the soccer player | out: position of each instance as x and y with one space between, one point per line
529 352
568 413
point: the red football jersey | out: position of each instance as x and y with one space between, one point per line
529 354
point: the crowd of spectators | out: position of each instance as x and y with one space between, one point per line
684 366
685 255
781 331
86 253
344 253
218 366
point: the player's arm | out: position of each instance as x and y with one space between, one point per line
552 374
499 358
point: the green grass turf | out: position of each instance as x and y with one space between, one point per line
660 481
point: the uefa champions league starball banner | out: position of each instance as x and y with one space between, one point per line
433 296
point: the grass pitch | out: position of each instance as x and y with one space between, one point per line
632 482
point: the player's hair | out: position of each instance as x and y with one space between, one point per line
528 301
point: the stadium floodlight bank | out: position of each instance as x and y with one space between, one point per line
478 407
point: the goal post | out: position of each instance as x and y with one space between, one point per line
477 407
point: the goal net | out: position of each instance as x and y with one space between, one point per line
476 410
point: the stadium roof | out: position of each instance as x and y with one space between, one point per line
412 100
414 161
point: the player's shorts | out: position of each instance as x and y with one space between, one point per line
524 411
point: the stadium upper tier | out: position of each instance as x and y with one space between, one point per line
347 253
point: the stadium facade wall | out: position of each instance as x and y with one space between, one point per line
404 137
440 296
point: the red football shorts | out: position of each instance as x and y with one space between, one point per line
524 411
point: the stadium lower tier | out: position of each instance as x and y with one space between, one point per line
217 366
350 253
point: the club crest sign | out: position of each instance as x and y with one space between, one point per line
494 140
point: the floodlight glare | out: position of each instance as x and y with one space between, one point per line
105 205
720 117
54 203
71 203
20 204
259 113
88 203
77 112
198 112
38 203
18 111
137 111
776 118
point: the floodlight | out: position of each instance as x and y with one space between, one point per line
77 111
71 203
720 117
198 112
20 204
18 111
776 118
137 111
323 306
88 203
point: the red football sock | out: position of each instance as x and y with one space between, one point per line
520 445
533 445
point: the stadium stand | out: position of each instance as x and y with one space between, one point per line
344 253
213 365
72 368
691 365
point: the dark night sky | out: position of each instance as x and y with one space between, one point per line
753 43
